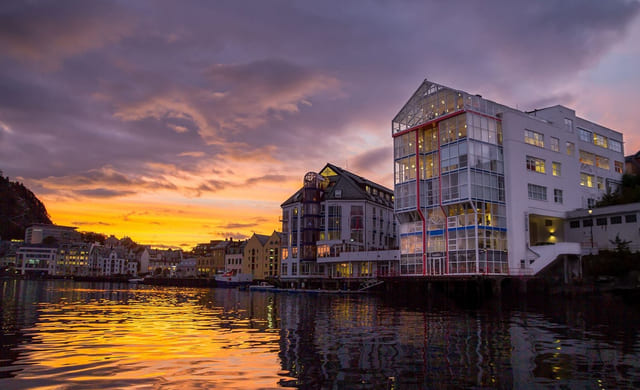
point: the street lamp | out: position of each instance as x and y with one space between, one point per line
591 229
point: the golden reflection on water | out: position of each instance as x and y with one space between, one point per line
139 338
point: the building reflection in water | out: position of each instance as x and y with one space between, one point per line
80 335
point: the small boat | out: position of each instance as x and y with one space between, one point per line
263 286
233 279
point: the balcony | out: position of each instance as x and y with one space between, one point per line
345 257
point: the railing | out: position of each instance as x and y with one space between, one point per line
344 257
547 254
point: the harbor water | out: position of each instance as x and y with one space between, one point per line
79 335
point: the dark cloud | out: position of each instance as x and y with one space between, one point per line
372 160
120 95
234 235
267 179
103 193
238 225
82 223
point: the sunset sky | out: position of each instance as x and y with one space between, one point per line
178 122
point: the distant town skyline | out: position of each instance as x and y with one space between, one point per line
180 123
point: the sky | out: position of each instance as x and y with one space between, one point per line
180 122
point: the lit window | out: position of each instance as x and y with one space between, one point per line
535 164
570 148
534 138
587 158
557 195
584 135
618 166
537 192
554 144
556 168
600 140
602 162
614 145
586 180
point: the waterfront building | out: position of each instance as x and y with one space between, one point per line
261 256
187 268
205 261
73 259
632 164
234 256
37 259
340 226
482 188
105 261
36 233
164 261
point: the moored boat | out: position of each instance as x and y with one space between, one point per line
233 279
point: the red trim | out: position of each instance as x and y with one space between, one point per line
425 124
446 224
424 222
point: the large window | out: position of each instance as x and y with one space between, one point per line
537 192
587 158
535 164
614 145
584 135
357 226
600 140
602 162
571 147
554 144
335 214
618 166
586 180
556 168
534 138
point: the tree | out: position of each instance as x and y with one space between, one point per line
622 246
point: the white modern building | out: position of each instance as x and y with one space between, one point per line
482 188
36 260
340 226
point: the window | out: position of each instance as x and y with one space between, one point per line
587 158
586 180
617 166
554 144
570 148
557 195
630 218
584 135
591 203
534 138
556 168
568 125
357 226
602 162
601 221
616 220
600 140
535 164
600 183
587 222
574 224
614 145
537 192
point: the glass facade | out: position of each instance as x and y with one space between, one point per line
449 184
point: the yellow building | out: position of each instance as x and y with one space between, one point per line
262 256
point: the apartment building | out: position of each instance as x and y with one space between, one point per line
338 225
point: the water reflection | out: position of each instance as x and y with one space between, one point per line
81 335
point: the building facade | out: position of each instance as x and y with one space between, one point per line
482 188
261 256
340 226
36 233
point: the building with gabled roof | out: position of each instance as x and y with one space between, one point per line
262 256
339 225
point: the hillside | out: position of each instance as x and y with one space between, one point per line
19 208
